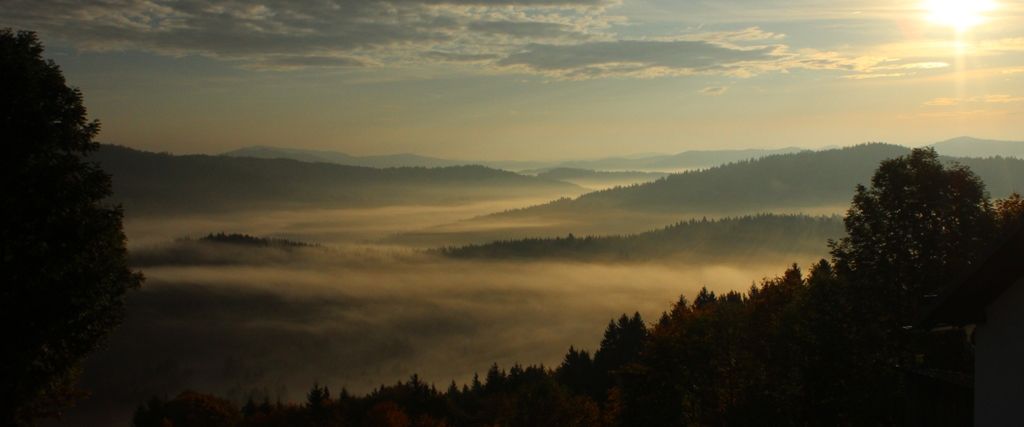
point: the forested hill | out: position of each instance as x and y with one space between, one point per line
747 237
324 156
162 183
673 162
570 174
975 147
786 181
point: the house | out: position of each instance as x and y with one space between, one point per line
988 303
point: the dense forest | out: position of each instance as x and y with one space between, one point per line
805 179
162 183
835 346
696 240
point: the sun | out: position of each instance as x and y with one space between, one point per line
962 15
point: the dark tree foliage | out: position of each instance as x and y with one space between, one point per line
188 409
920 224
623 340
248 240
1009 213
916 225
62 250
695 240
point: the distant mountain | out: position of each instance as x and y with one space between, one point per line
686 160
808 182
323 156
804 179
676 162
162 183
748 237
966 146
650 162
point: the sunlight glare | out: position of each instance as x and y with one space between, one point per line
959 14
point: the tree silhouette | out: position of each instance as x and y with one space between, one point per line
917 224
62 251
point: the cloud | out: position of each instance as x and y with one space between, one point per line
982 99
714 90
642 58
460 57
744 53
890 68
564 39
963 114
280 34
291 62
873 76
524 29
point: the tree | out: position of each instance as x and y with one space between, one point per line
62 249
918 224
189 408
621 346
1009 213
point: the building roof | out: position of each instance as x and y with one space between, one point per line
965 302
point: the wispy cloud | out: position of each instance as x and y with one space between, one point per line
714 90
982 99
637 58
561 39
327 33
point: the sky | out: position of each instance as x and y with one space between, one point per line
536 79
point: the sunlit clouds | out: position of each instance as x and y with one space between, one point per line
489 79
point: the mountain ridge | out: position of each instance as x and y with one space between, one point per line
159 182
640 163
967 146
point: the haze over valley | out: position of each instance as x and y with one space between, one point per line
483 213
360 261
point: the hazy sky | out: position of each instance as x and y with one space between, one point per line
536 79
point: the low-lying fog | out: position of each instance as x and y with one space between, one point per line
326 226
232 319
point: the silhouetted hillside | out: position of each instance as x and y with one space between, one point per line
325 156
674 162
966 146
724 239
786 181
163 183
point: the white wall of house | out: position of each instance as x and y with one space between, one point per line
999 361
